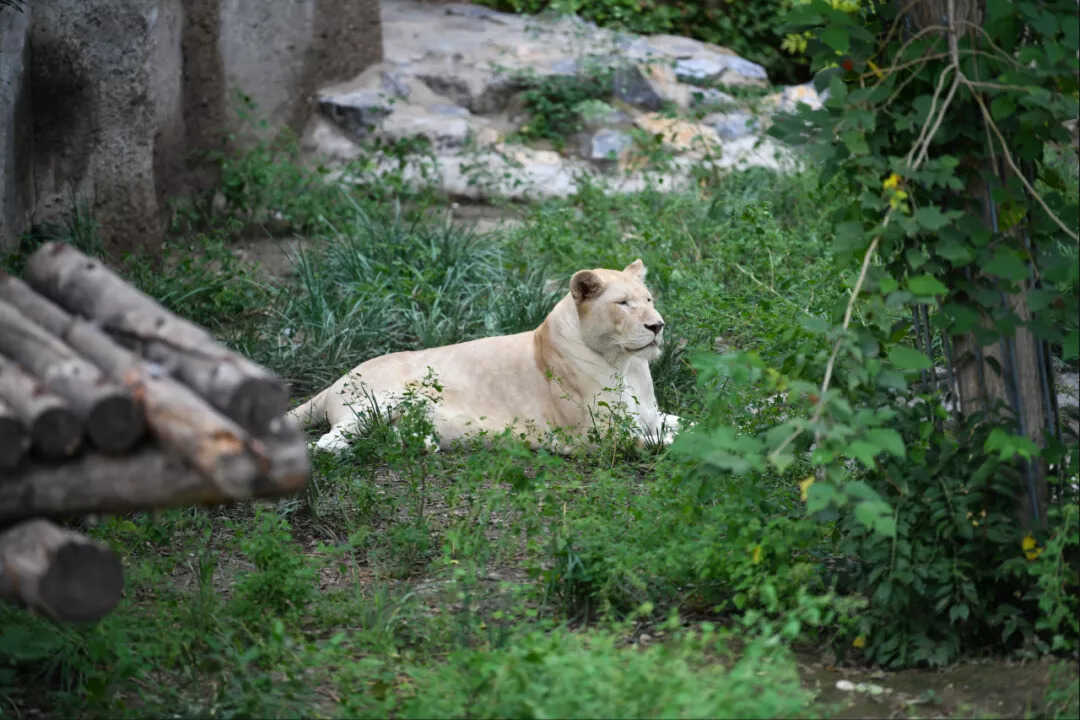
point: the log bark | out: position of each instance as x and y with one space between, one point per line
240 388
53 429
147 479
109 414
179 418
59 573
13 438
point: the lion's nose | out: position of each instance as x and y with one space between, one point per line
656 327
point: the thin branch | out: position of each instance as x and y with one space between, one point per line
940 118
886 71
819 408
910 159
1000 53
1016 170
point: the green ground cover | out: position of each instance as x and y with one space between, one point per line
496 580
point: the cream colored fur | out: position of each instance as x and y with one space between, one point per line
590 354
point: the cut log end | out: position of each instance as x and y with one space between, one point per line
116 423
56 433
234 474
83 584
256 402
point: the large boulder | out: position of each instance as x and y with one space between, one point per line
453 76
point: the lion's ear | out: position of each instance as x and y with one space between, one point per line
637 269
585 284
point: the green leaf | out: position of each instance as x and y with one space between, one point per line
907 358
887 439
926 285
1003 106
931 218
864 452
891 380
836 38
955 251
856 142
876 515
850 237
958 612
815 324
885 525
1007 445
1070 346
1007 264
820 496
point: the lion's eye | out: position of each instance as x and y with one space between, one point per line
623 302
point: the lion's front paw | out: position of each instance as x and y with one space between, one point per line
670 426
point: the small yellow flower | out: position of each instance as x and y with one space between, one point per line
755 556
1031 547
804 486
891 182
859 641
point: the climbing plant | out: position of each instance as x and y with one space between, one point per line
931 420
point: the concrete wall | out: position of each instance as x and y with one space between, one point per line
15 189
113 102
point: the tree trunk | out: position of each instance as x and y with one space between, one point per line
1009 371
59 573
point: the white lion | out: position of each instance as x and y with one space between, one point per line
590 356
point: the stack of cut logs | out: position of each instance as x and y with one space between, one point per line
110 403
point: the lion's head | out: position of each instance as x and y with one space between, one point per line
616 313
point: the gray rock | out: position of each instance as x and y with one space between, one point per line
597 113
395 84
358 112
711 96
449 110
478 12
718 67
606 146
459 70
445 126
633 88
565 66
732 125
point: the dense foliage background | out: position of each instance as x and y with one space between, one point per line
751 29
